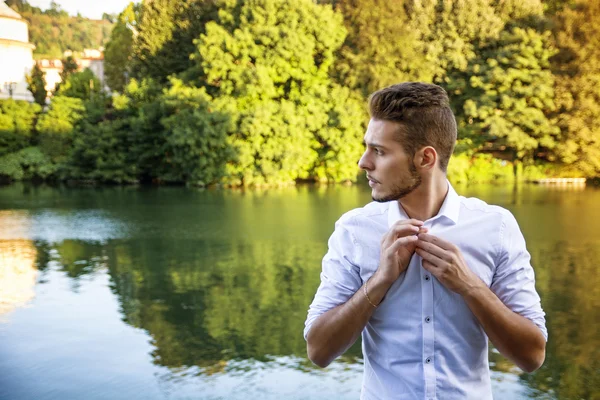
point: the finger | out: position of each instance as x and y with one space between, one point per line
401 242
433 249
431 258
437 241
430 267
403 230
412 221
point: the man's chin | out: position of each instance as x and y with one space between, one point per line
381 197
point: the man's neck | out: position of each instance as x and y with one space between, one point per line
425 201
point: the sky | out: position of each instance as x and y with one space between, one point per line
87 8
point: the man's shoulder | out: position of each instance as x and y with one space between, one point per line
368 213
476 206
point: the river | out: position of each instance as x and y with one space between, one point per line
177 293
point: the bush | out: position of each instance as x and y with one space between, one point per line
57 126
17 121
27 164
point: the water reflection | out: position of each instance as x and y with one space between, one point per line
212 288
18 274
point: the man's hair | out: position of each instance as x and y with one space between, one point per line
423 111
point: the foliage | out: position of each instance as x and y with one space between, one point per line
266 64
165 35
36 84
509 91
381 47
271 92
447 34
81 85
577 68
196 137
56 127
100 153
26 164
17 121
117 56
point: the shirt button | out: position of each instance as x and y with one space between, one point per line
428 360
427 277
427 319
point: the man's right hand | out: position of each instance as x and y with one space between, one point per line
397 247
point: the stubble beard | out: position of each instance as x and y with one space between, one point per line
399 191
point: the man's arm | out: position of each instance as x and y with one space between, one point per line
334 331
515 336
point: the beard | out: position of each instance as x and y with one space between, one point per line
400 190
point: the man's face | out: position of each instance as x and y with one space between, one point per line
390 170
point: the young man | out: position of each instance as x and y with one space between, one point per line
426 275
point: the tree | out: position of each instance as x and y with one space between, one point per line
36 84
17 122
57 126
577 68
196 137
448 36
81 85
166 31
509 95
381 47
69 67
266 64
117 56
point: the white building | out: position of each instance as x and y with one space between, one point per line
52 70
89 58
16 59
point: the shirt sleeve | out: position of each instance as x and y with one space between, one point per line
340 276
514 279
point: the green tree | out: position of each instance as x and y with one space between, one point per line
577 68
17 122
509 93
36 84
57 126
70 66
448 36
117 56
100 153
196 140
30 163
381 47
266 64
81 85
166 31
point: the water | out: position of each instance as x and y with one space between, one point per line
174 293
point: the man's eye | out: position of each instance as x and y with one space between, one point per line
378 152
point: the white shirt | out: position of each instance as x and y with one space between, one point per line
423 341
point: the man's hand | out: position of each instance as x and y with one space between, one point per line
397 247
445 261
516 337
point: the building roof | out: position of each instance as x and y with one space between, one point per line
6 11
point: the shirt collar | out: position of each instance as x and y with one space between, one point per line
450 208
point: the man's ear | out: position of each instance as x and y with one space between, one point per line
426 158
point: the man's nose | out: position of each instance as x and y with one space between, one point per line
364 162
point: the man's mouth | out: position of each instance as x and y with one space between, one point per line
372 182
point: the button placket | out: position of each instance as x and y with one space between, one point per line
428 332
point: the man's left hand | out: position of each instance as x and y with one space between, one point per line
445 261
